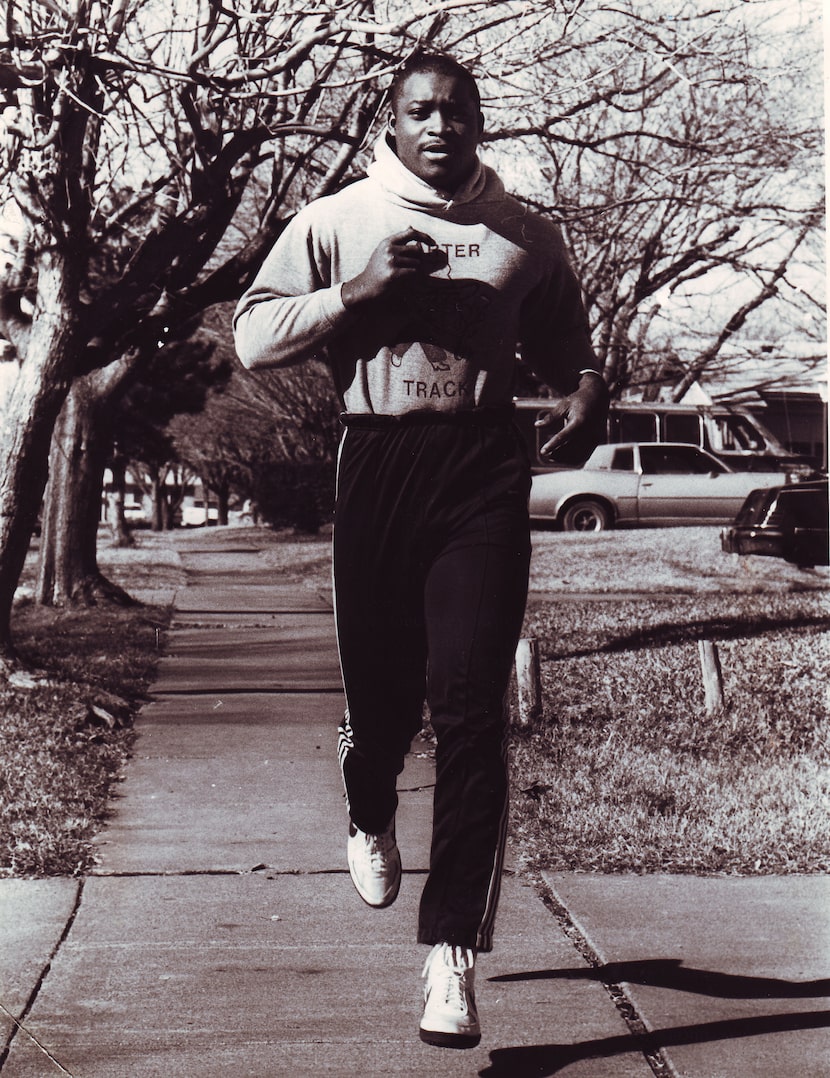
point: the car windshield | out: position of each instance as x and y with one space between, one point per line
756 507
735 432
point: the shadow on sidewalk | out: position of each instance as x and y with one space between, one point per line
540 1060
671 973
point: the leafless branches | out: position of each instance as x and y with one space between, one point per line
656 136
680 150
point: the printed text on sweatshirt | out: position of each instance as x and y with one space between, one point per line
448 341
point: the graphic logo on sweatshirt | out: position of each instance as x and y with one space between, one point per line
438 359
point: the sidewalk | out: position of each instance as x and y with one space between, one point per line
220 934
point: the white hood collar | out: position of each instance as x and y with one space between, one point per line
407 189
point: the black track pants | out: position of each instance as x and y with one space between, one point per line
431 554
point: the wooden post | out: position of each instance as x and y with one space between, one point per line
712 677
529 678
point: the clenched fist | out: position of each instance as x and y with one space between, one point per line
397 258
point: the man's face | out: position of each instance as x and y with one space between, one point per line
437 126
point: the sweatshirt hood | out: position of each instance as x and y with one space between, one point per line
406 189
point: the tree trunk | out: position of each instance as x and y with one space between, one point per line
159 514
119 529
62 550
223 497
32 407
175 493
68 571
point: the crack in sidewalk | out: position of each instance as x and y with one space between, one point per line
19 1024
265 870
268 690
660 1065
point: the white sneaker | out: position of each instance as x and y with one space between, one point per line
450 1017
375 865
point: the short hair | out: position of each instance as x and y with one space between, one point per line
420 63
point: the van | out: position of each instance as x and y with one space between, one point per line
729 432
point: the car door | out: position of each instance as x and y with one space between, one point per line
680 484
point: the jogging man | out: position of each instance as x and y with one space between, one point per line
416 284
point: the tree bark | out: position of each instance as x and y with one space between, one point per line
157 507
119 529
223 497
51 350
68 572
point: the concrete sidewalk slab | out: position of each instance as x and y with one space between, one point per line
224 561
226 783
225 550
245 975
234 619
251 598
33 917
294 653
155 596
237 577
730 974
246 781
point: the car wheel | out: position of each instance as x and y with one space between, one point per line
586 515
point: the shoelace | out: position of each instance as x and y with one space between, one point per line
452 975
379 847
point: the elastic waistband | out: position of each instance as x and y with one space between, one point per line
474 417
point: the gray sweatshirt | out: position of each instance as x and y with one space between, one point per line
449 341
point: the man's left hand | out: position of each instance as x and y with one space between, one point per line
584 412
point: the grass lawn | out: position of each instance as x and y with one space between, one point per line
66 729
627 771
624 771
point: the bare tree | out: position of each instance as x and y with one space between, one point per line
264 432
680 148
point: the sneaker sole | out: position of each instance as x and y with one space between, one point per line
449 1040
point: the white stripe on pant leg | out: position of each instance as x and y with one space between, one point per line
484 935
345 735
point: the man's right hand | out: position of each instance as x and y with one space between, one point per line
397 258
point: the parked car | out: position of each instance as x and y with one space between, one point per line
197 514
635 483
789 522
134 512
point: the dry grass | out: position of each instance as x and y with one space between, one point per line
627 772
66 725
682 560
